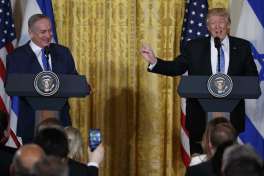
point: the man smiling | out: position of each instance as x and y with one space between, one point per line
31 58
199 57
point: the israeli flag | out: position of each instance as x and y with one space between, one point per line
251 27
35 7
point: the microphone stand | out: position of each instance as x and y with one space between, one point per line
217 46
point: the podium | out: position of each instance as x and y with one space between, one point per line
244 87
22 85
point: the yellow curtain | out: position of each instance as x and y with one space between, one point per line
137 112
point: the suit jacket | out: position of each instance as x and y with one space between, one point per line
23 60
202 169
6 154
79 169
196 59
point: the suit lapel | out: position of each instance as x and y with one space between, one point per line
36 67
207 57
53 58
233 55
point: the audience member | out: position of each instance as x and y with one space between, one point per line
241 160
221 135
97 156
51 166
6 153
206 143
25 158
54 142
75 143
51 122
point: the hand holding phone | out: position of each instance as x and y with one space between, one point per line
95 138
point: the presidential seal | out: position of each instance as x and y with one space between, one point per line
220 85
46 83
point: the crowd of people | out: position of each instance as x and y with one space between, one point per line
223 156
51 153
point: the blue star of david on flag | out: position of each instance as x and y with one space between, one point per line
260 58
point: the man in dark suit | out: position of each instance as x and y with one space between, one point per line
6 153
29 59
199 57
25 158
221 135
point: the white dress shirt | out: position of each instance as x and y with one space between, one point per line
37 51
214 59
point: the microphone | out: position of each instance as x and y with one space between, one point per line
217 42
218 46
47 51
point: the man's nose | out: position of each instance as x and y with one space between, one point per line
218 26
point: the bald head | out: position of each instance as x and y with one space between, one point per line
25 158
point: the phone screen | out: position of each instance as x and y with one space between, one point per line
94 138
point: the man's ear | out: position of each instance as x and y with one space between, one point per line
30 32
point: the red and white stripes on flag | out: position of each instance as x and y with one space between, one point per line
194 26
7 43
185 143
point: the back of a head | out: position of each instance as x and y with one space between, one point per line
51 122
75 143
208 132
241 160
222 133
25 158
51 166
53 141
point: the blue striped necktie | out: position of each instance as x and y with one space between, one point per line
45 60
222 60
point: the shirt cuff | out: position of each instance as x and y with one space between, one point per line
151 66
93 164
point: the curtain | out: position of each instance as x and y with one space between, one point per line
138 112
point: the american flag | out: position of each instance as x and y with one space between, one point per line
194 26
7 43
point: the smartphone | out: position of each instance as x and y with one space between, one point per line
95 138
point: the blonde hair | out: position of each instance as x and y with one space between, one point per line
219 12
75 143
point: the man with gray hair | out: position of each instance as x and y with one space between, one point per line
39 54
51 166
25 158
241 160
